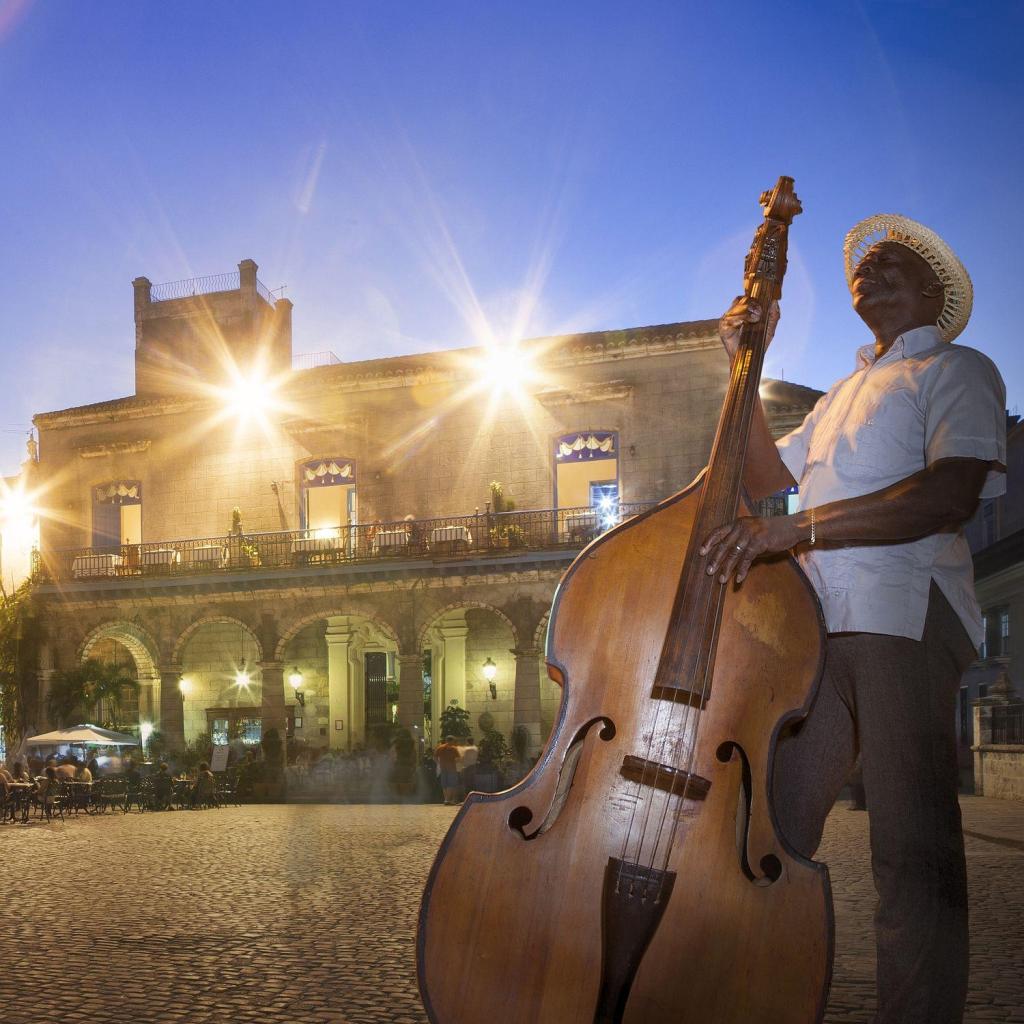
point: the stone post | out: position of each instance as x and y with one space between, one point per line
272 703
247 279
339 636
1000 693
410 693
526 708
172 707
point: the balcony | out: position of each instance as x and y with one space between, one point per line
445 539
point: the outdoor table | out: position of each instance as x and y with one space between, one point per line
392 540
108 564
160 558
318 549
212 556
450 538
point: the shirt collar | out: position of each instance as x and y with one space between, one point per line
910 343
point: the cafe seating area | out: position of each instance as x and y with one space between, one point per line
45 799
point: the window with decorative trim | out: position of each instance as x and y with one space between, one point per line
117 514
327 496
587 469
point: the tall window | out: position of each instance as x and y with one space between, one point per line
117 514
587 469
327 496
983 650
1004 632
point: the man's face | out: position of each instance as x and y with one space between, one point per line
890 274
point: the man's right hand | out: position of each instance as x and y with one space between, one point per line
744 310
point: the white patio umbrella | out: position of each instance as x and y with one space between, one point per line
84 736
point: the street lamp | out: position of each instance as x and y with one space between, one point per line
242 676
490 671
295 681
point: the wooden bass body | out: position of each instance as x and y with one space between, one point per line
518 924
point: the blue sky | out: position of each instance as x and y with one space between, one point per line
409 170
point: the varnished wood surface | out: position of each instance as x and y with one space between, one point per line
510 929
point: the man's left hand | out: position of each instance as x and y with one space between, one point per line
733 547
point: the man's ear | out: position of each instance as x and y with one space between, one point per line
934 289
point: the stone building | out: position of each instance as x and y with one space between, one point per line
323 549
996 536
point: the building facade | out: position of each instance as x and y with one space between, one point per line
996 536
327 549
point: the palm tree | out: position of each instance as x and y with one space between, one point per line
76 693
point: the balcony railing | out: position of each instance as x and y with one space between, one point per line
445 538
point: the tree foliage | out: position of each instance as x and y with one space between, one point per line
20 633
77 694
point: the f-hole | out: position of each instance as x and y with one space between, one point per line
770 866
521 816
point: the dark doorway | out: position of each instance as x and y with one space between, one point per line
376 670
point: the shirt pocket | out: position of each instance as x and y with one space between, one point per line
884 434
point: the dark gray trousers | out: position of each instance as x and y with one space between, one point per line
893 701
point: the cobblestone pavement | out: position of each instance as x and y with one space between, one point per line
306 914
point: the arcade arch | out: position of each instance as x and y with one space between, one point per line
341 678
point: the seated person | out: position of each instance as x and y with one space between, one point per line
67 770
202 791
83 774
162 786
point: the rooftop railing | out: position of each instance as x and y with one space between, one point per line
194 286
441 539
310 360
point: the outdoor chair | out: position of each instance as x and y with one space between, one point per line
139 795
50 801
20 803
110 793
227 790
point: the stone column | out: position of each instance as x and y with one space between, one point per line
272 703
357 688
172 707
526 708
410 693
339 638
453 630
436 689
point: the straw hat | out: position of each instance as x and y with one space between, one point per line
959 293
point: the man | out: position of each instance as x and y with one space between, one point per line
447 757
890 464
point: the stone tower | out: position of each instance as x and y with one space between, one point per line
191 334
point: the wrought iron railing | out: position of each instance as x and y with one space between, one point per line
440 539
1007 724
309 360
193 286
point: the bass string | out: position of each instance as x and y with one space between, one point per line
738 442
674 733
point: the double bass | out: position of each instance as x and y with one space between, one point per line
637 874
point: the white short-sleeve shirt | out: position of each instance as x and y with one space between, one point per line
923 401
